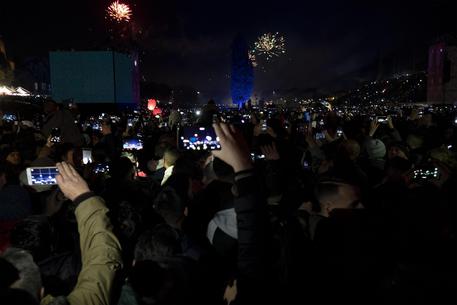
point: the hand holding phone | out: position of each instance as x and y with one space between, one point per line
270 152
70 182
234 150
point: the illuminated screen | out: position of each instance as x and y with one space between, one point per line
92 77
133 144
43 176
199 138
101 168
426 173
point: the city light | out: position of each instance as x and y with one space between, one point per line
19 91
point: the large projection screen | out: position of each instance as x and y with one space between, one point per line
92 77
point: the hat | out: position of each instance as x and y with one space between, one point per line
375 149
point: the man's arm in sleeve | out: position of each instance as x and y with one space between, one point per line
100 249
100 253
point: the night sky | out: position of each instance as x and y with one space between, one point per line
187 43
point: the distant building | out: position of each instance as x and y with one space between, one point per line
94 77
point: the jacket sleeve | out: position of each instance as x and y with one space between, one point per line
100 253
274 177
252 223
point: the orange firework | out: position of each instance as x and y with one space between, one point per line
119 12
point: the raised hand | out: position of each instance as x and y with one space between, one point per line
234 150
70 182
49 143
230 293
390 122
270 152
271 132
373 127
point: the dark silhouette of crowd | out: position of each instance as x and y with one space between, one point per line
300 206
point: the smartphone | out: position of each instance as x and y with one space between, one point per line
42 175
101 168
381 119
87 156
96 126
198 138
426 174
9 117
55 135
306 164
263 126
215 118
339 132
307 117
256 156
132 144
320 136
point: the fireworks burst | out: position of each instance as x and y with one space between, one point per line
119 12
253 58
270 45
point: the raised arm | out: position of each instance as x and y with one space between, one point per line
100 249
252 221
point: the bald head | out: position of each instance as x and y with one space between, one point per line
337 195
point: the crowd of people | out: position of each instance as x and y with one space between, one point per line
299 206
